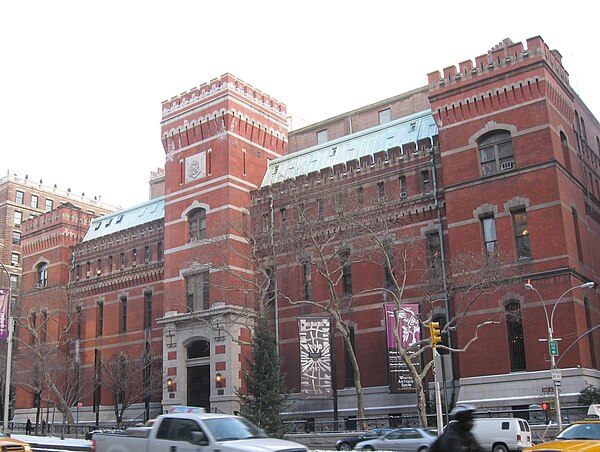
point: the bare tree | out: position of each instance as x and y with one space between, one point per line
131 378
48 364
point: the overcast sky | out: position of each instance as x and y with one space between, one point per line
82 82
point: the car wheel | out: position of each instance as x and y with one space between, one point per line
368 448
500 448
345 446
424 449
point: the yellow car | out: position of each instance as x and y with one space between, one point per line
580 436
14 445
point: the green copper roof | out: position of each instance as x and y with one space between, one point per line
125 219
409 129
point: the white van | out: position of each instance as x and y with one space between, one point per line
502 434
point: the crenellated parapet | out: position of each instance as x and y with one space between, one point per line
200 94
504 57
507 76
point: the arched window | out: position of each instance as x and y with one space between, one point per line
198 349
197 224
564 143
516 344
496 152
42 275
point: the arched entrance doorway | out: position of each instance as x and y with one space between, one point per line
198 374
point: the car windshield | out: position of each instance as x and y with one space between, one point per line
581 431
431 432
233 428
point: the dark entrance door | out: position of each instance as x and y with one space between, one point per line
198 391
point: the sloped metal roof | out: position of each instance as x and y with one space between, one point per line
125 219
409 129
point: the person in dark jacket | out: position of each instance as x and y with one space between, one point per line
28 427
457 436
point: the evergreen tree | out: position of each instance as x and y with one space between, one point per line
264 401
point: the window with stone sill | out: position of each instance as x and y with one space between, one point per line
496 152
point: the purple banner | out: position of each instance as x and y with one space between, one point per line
4 313
409 329
315 358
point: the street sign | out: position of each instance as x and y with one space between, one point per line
553 345
556 375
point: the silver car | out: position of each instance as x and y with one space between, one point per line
402 439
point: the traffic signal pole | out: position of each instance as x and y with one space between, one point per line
435 337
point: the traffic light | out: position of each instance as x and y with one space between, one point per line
435 336
545 409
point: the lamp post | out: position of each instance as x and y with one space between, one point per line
8 354
553 348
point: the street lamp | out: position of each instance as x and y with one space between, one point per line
553 348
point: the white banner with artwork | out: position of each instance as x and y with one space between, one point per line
409 330
315 357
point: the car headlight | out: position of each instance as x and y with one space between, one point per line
27 448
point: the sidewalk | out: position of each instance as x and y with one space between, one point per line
60 444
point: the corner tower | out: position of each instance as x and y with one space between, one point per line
218 139
521 181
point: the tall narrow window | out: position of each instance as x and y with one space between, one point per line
434 253
496 152
123 315
15 259
147 255
44 335
577 234
489 234
307 279
110 264
16 238
403 192
283 213
42 275
147 310
159 251
48 205
348 368
87 269
516 344
426 182
122 261
244 162
346 271
33 323
388 265
198 292
197 224
521 233
17 218
99 318
97 380
34 202
320 208
134 257
589 325
361 197
565 149
98 267
20 197
77 272
79 321
381 191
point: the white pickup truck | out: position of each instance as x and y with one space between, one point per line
194 432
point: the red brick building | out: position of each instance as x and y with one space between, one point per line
496 156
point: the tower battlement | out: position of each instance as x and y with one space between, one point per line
504 56
200 94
